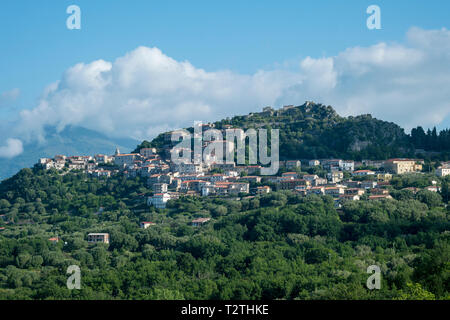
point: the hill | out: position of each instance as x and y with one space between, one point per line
314 130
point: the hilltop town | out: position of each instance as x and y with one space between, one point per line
344 180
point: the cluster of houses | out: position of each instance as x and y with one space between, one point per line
169 180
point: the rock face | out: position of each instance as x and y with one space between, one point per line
359 145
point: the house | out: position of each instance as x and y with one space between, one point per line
101 173
380 197
253 179
363 173
368 184
347 165
352 184
195 185
384 177
101 158
159 200
433 188
188 168
314 179
292 164
335 176
303 190
146 224
238 187
401 166
313 163
263 190
292 183
412 189
147 152
350 197
215 177
354 191
443 171
334 191
378 191
319 181
125 159
54 239
160 187
199 222
290 175
316 190
332 164
98 237
2 228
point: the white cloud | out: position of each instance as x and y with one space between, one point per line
146 92
12 148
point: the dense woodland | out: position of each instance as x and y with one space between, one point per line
277 246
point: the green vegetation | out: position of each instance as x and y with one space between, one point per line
277 246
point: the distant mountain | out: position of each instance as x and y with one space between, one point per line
71 141
312 130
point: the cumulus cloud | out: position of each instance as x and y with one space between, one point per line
12 148
146 92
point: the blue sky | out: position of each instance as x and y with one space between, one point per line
242 37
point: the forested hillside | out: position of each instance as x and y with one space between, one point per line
275 246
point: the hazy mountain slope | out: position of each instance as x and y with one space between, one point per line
71 141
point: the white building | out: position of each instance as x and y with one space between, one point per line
98 237
188 168
146 224
101 158
125 159
159 200
362 173
443 171
348 165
